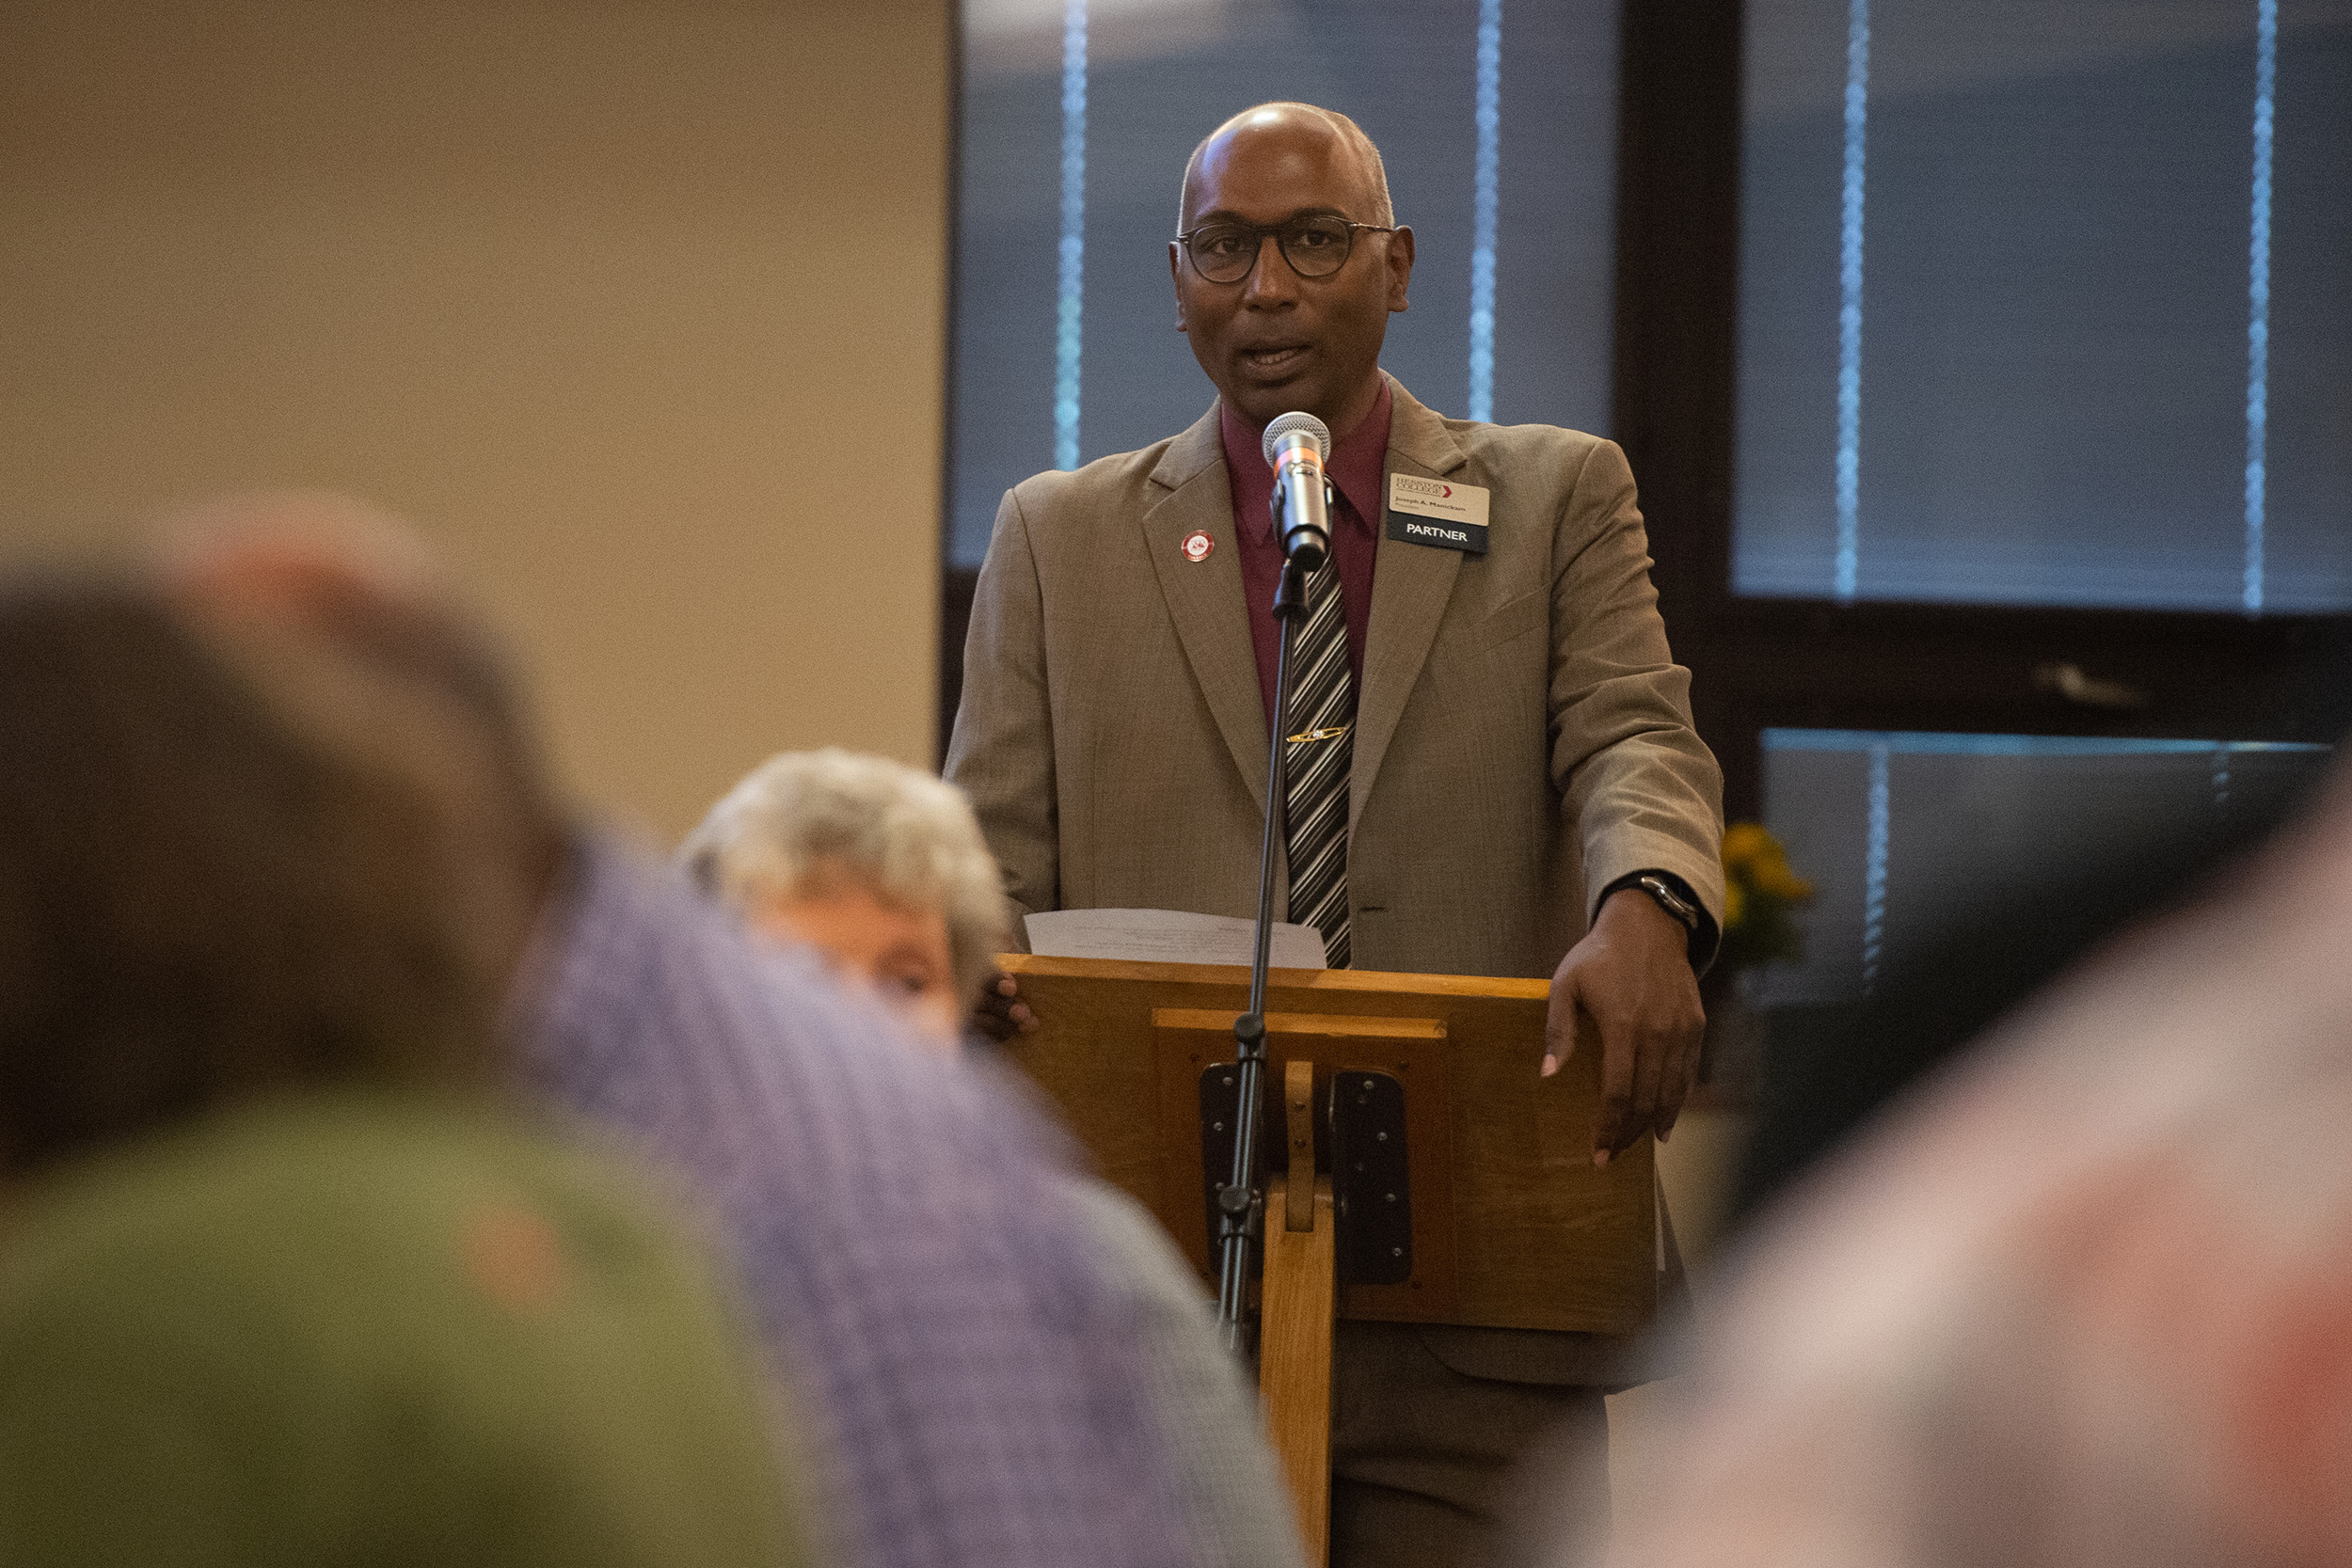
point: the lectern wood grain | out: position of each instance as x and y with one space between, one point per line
1295 1358
1513 1225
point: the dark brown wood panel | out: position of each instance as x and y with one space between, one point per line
957 584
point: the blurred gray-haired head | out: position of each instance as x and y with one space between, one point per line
802 819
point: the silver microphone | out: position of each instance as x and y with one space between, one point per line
1295 446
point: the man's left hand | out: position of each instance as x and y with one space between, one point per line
1632 977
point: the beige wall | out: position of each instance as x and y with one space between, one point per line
638 307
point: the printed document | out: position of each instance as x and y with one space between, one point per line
1166 936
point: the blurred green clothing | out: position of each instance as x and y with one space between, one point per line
349 1329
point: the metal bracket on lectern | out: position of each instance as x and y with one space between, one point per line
1220 1108
1371 1181
1363 1136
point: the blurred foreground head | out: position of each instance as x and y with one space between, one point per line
879 867
261 825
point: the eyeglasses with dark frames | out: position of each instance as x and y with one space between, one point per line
1317 246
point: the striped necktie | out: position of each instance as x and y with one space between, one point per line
1321 736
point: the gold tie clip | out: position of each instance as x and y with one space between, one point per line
1332 734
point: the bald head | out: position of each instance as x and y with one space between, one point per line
310 558
343 622
339 572
1268 126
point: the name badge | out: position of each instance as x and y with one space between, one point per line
1438 512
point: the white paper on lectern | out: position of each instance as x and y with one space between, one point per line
1166 936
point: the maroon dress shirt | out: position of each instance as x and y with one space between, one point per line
1357 465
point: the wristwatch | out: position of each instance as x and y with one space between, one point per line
1667 892
1671 901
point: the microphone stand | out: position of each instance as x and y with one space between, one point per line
1241 1205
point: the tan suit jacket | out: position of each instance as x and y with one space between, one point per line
1524 738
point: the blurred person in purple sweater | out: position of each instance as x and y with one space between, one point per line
903 1227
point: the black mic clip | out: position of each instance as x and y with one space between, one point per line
1302 541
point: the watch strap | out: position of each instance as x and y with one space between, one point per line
1673 894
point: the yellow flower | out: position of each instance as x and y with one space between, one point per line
1755 861
1743 842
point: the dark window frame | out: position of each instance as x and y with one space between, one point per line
1757 663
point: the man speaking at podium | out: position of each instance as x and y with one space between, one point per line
1492 768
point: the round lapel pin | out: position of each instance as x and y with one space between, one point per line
1197 546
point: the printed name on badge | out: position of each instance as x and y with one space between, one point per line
1438 513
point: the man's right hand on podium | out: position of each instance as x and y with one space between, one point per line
1001 1014
1630 978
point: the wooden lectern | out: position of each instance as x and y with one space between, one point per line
1510 1224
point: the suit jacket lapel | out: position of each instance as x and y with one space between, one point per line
1204 598
1410 590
